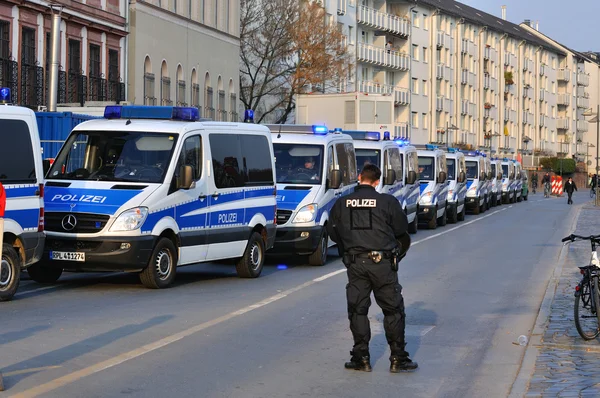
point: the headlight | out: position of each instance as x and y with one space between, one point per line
130 220
472 191
306 214
427 198
504 185
450 194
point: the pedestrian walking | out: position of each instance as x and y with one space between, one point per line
367 227
570 187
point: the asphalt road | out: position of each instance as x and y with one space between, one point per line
470 290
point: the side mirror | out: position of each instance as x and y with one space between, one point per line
482 176
390 177
411 178
499 176
442 177
46 165
185 177
489 175
335 179
462 177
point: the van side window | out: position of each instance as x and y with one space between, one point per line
257 160
352 171
330 162
227 160
16 152
191 155
396 162
343 163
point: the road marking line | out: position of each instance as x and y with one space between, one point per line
119 359
32 370
459 226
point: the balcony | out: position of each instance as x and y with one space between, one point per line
440 71
580 92
443 104
443 40
506 114
583 102
564 99
528 118
383 21
342 6
583 79
490 113
543 120
564 74
472 110
466 46
490 53
582 126
402 130
493 83
371 87
542 95
464 107
464 76
401 96
486 81
380 56
562 123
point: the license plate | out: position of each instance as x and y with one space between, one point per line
67 256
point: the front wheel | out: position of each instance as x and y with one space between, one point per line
413 227
461 215
42 274
251 263
586 321
10 272
160 272
319 257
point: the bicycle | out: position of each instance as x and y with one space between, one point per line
533 187
547 190
592 192
587 293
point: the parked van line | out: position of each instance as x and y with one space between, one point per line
433 177
508 179
457 188
477 187
147 189
314 168
496 168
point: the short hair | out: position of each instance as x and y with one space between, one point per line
370 173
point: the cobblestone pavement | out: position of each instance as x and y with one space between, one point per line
567 365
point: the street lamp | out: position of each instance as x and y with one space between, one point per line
596 120
563 142
448 128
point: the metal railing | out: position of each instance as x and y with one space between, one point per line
402 130
371 87
564 74
97 88
564 99
384 21
384 57
401 96
563 123
583 79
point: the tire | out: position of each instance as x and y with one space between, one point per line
162 266
596 297
10 272
461 215
432 224
251 263
520 198
319 257
413 227
477 208
525 197
443 220
453 216
42 274
579 301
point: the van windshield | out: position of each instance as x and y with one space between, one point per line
367 156
505 171
471 169
299 163
114 156
16 153
426 168
494 170
451 163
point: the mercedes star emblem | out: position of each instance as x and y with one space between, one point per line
69 222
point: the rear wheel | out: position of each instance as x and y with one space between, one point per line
319 257
160 272
586 320
10 272
42 274
443 220
251 263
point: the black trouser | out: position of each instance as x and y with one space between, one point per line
365 276
570 197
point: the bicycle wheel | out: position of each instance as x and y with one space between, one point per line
592 193
586 320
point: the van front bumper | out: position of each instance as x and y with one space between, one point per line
427 213
102 254
300 240
472 202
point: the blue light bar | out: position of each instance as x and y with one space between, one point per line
249 116
337 130
431 147
386 135
452 150
5 95
152 112
364 135
321 130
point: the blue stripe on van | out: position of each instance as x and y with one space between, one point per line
290 199
85 200
27 218
20 192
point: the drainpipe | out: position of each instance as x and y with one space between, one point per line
54 59
126 51
409 132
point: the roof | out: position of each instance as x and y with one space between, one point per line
165 126
492 22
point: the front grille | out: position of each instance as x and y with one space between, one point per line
72 245
283 216
84 223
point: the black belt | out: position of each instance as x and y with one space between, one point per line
375 256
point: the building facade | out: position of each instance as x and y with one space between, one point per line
185 53
92 41
462 77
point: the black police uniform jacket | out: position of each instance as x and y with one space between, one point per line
366 220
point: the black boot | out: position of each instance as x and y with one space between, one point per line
359 363
398 365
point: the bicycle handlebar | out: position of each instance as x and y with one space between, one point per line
573 238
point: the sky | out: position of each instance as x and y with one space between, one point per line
574 23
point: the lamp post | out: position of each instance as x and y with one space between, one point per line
596 120
448 128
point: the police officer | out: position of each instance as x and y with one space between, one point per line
366 226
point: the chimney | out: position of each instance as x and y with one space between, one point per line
504 13
54 60
528 22
537 25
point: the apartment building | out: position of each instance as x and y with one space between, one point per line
185 53
92 48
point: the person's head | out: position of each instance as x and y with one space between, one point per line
370 175
570 179
309 163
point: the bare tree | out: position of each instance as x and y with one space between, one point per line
287 48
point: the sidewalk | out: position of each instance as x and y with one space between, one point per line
566 365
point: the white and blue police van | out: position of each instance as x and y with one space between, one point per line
411 189
457 188
476 182
147 189
314 167
496 192
22 176
487 162
508 181
433 178
518 181
396 178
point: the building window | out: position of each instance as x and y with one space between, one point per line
425 22
424 55
116 89
4 40
97 83
351 34
74 56
415 19
415 52
415 119
424 87
221 112
208 100
233 107
165 90
181 93
31 83
424 120
415 86
195 95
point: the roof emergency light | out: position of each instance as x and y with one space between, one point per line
431 147
386 135
249 116
402 141
189 114
452 150
5 95
320 130
364 135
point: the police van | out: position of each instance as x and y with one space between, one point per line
457 188
508 179
22 176
314 167
387 154
496 191
411 191
518 181
488 180
147 189
477 195
433 177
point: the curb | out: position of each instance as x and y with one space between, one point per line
521 383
